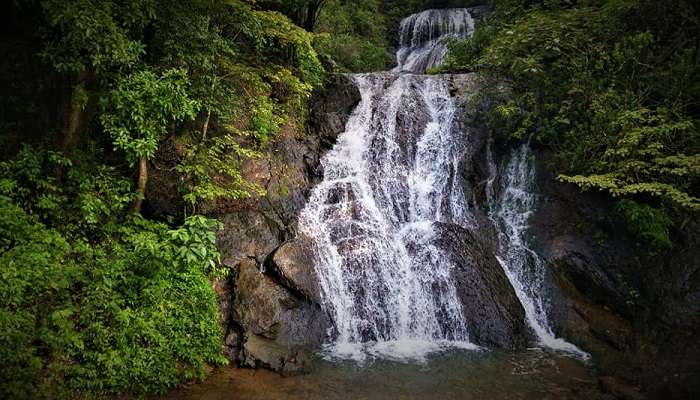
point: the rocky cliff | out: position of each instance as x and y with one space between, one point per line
270 304
637 313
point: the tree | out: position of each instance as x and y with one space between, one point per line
303 12
137 113
85 38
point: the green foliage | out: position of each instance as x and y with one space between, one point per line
280 37
127 308
606 84
353 53
214 173
648 224
94 302
94 34
463 55
141 106
353 34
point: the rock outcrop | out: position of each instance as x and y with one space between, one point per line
279 330
275 317
636 311
490 307
292 264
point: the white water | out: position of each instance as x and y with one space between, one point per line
389 178
423 37
525 269
383 279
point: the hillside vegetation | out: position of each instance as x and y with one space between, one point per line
611 87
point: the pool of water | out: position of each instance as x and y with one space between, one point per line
457 374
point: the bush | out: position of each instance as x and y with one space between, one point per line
648 224
124 307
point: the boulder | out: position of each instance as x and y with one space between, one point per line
292 263
282 325
247 234
262 352
491 309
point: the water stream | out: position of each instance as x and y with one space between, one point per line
391 177
392 180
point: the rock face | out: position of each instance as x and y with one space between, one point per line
275 318
280 329
292 264
491 309
637 313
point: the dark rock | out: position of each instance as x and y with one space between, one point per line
632 309
232 339
491 309
574 257
162 197
246 234
293 264
262 352
222 289
331 107
281 325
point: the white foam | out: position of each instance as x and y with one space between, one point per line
404 350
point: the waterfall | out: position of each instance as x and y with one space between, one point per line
390 183
423 37
526 270
383 278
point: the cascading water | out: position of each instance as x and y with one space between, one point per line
383 279
423 37
390 181
525 269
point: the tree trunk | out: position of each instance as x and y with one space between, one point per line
205 127
77 119
140 186
312 11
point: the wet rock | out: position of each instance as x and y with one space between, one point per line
247 234
293 264
331 107
262 352
284 324
491 309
